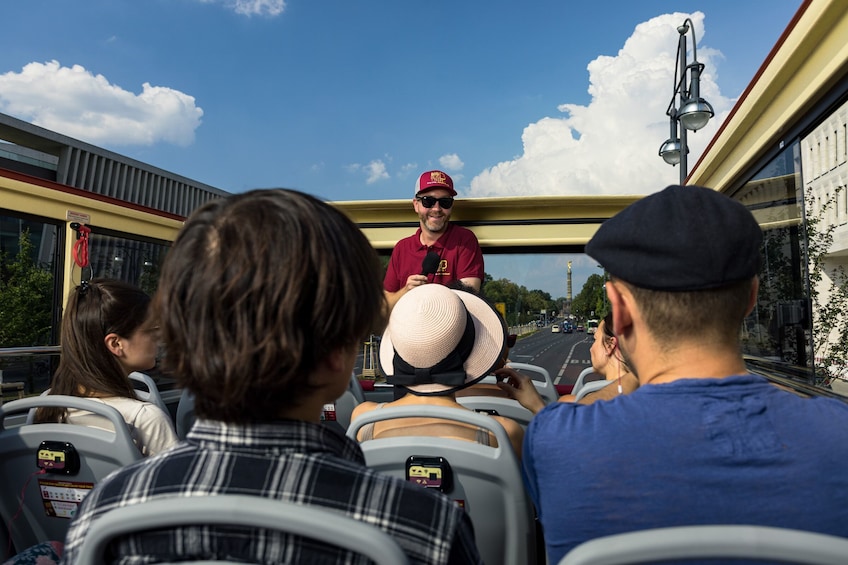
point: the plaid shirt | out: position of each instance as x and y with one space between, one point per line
289 460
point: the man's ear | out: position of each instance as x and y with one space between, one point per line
328 369
620 301
113 344
752 299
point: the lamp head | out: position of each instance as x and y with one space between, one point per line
694 114
670 151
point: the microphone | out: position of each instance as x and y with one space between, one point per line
430 264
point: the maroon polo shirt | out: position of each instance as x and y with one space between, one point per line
458 249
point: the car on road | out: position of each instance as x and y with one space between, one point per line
555 329
580 328
568 328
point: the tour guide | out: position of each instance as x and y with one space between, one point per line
452 252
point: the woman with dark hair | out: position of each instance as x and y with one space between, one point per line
105 337
608 361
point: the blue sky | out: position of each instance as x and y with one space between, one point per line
350 100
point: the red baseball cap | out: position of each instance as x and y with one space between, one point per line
434 179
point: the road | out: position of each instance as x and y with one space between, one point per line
564 355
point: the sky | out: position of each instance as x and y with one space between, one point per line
352 100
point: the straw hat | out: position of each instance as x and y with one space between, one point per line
429 346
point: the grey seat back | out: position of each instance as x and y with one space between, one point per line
486 480
541 380
314 522
45 502
185 414
150 392
581 379
590 387
711 542
350 399
500 406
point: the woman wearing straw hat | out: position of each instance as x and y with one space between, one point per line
439 341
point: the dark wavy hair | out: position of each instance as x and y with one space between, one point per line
94 310
258 288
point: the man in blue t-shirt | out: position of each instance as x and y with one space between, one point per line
702 441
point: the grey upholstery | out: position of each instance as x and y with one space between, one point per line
150 393
590 387
185 414
581 379
315 522
502 406
541 380
352 397
511 408
100 452
486 479
344 408
718 542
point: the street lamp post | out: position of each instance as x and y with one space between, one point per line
686 106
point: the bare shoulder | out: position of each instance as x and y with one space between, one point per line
362 408
512 427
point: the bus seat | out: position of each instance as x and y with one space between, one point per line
591 386
315 522
150 392
498 406
356 389
185 414
350 399
581 379
760 543
45 482
486 480
344 408
541 380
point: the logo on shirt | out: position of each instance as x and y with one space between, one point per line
443 268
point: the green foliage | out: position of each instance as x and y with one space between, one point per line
592 300
26 292
828 294
522 305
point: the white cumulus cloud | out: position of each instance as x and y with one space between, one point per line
75 102
610 146
375 171
268 8
451 162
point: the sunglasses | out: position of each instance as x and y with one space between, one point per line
430 201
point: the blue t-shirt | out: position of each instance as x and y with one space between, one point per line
736 450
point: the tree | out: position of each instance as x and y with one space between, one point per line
828 293
522 305
26 296
591 301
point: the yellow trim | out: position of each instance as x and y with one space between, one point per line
37 200
497 222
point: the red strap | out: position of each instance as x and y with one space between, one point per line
80 250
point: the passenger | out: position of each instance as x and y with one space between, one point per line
438 342
105 337
608 362
452 252
702 439
244 300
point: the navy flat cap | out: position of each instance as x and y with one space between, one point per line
680 239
